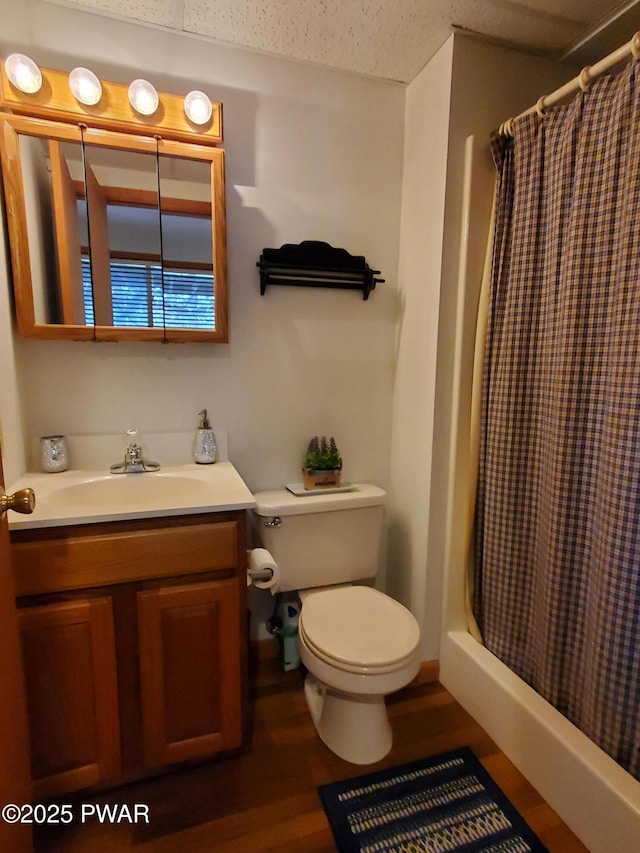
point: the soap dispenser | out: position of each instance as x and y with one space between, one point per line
204 447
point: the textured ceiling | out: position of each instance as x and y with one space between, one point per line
392 39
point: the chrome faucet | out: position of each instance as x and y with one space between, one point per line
134 461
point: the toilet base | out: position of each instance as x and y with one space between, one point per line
353 726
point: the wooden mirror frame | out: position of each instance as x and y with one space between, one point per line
111 124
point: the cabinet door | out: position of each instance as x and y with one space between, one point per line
190 670
72 694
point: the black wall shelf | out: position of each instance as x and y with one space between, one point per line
316 264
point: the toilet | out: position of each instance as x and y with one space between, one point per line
356 643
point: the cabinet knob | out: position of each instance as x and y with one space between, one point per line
23 501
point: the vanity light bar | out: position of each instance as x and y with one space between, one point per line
81 96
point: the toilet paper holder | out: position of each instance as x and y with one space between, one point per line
260 574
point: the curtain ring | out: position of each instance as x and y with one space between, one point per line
635 46
585 78
508 127
540 106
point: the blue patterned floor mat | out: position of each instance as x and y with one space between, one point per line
444 803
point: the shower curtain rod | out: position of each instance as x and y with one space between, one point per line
582 81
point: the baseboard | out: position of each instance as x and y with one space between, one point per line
428 673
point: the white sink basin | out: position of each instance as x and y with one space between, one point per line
130 490
85 497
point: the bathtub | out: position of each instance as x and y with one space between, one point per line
591 792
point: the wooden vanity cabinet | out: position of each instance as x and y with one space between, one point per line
187 649
134 644
72 695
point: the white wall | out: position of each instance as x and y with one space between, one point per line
422 223
312 153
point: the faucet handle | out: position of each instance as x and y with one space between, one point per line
133 454
134 461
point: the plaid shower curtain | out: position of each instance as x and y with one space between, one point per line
557 573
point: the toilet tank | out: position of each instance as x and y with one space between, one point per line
321 539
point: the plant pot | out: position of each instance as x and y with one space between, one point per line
314 478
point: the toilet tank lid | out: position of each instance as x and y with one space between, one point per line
284 502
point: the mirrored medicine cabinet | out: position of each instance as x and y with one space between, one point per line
116 224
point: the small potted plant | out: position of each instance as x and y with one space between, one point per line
322 464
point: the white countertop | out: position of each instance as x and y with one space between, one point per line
86 497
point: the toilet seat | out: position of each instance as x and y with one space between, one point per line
359 629
353 668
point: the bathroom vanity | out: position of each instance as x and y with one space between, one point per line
133 623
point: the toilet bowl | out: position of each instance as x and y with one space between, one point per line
358 645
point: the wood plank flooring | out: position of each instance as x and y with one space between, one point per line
264 799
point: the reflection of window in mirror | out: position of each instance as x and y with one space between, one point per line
139 277
160 272
128 229
94 256
187 244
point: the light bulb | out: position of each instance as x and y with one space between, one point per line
198 108
85 86
23 73
143 97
